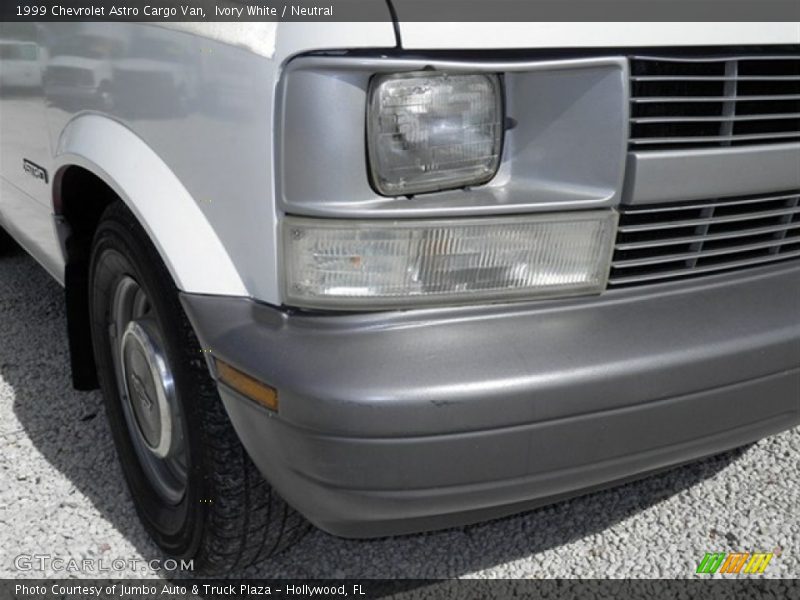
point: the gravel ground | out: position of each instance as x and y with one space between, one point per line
63 492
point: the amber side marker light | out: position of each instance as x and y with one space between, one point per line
247 386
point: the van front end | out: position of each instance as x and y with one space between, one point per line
520 276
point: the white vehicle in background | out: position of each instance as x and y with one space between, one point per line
19 65
81 70
425 274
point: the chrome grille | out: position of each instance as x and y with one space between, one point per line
701 102
664 242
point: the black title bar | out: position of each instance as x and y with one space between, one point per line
403 589
406 10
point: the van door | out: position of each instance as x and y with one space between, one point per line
25 154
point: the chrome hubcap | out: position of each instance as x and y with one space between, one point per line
147 389
149 386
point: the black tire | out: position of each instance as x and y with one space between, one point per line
6 242
228 516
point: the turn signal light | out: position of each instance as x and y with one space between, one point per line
247 386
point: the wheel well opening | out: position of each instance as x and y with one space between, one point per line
82 198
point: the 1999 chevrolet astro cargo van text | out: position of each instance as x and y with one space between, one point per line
415 277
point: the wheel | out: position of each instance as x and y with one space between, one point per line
194 486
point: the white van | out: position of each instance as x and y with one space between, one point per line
19 66
422 274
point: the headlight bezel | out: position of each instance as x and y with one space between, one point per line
320 147
380 184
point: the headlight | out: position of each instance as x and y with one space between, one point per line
433 131
380 264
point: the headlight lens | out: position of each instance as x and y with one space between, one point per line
433 131
381 264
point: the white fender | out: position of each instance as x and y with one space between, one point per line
187 243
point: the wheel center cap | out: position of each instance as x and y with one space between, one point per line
139 393
149 386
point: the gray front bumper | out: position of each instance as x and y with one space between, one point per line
392 423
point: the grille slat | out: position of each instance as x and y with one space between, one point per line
619 281
665 242
778 229
690 78
718 99
712 119
658 208
716 138
709 220
698 102
671 258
